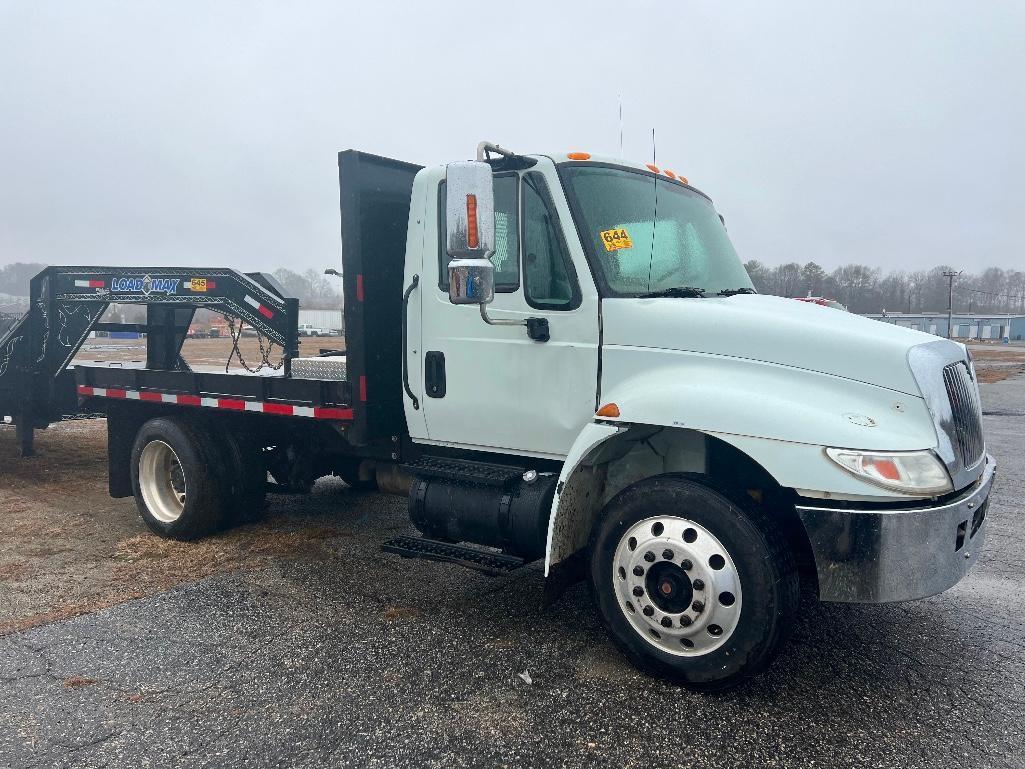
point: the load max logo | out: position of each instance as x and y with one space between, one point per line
146 285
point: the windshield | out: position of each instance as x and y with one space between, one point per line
647 234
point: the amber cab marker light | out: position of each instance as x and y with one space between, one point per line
472 234
608 410
652 167
669 173
579 155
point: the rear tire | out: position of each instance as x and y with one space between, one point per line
247 477
690 586
349 472
178 478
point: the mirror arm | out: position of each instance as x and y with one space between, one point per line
496 322
537 328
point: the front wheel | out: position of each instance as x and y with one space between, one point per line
690 586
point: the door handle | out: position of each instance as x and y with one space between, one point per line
405 341
434 370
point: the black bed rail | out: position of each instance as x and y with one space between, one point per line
66 304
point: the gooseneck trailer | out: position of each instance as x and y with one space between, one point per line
556 358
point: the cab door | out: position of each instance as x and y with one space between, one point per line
493 388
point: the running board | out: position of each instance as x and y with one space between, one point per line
487 561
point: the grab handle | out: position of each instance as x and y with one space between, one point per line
405 364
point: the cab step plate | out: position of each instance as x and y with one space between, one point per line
478 559
465 471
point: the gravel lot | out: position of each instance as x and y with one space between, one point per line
296 643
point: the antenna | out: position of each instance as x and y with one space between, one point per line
620 96
654 212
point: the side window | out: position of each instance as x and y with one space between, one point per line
548 277
507 236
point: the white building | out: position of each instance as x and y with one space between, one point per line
330 320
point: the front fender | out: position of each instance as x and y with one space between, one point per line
779 417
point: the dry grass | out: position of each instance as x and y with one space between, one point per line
996 362
67 548
990 375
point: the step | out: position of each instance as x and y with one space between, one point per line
465 471
472 557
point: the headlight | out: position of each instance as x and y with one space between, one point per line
913 472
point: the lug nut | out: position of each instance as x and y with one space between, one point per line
668 554
666 622
687 564
699 584
698 606
649 556
685 621
648 611
638 571
638 591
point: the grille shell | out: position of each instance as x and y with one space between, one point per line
929 362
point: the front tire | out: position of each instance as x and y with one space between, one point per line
178 480
690 586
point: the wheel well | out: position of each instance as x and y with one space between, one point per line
643 452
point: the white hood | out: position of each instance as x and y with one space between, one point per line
770 329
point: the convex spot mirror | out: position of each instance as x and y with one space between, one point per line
470 232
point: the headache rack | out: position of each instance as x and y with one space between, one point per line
66 304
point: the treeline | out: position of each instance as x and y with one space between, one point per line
14 277
868 289
314 290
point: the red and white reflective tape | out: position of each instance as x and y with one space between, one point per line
230 404
265 312
89 284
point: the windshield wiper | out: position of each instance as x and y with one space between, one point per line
677 292
735 291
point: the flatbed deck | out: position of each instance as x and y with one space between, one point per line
274 395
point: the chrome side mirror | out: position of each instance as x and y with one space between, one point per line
471 281
470 232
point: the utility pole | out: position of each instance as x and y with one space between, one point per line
950 275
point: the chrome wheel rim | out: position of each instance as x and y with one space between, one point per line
162 482
677 585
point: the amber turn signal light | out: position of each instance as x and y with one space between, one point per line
608 410
472 233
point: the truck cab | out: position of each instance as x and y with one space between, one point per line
616 333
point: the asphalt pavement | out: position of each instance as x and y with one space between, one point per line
356 658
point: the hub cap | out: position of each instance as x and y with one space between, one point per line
677 585
162 482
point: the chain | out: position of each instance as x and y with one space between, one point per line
265 351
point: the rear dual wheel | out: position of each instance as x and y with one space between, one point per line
691 586
190 482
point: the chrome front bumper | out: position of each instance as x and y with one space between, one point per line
872 556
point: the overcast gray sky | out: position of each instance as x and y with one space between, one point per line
199 133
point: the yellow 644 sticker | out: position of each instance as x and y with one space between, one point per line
616 239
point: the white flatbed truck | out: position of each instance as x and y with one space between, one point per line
558 358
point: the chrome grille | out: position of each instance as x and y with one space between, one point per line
966 410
